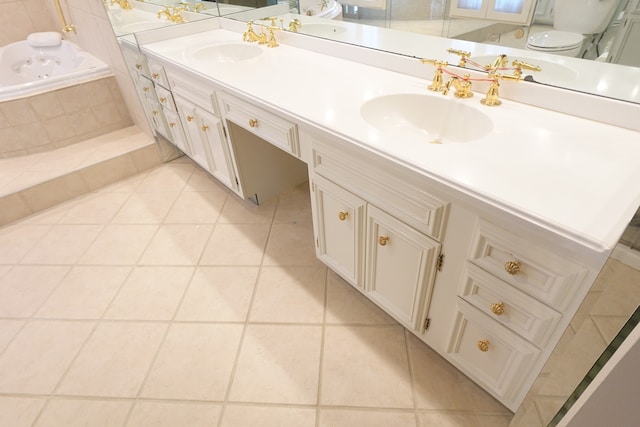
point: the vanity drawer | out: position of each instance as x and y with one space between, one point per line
545 275
165 97
516 310
493 356
197 90
377 182
157 74
268 126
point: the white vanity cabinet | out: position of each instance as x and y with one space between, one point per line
391 262
625 50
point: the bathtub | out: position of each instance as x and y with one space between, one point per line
51 97
26 70
330 9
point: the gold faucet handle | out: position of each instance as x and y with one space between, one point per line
434 62
521 65
463 54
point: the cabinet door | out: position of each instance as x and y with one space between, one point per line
401 265
199 151
339 224
212 134
175 127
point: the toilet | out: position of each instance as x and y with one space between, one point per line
573 22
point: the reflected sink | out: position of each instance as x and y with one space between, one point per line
228 52
434 119
552 72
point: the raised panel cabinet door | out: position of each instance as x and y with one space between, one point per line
175 128
187 114
212 134
339 221
401 266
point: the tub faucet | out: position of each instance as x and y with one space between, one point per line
124 4
172 14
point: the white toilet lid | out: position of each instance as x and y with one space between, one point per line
555 40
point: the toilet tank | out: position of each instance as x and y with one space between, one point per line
583 16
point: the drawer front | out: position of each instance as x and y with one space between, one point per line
157 74
166 99
516 310
268 126
377 184
489 353
546 276
197 90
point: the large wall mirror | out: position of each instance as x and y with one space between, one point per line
604 60
488 27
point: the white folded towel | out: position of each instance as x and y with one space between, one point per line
45 39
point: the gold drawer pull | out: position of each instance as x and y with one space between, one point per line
163 99
383 240
155 75
343 215
253 122
189 118
483 345
138 66
497 308
171 124
155 112
145 89
204 128
512 267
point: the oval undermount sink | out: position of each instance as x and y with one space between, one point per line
227 52
551 71
429 118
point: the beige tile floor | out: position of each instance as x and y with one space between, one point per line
163 300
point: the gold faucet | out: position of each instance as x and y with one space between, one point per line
294 25
172 14
250 35
463 54
124 4
437 84
521 65
194 7
462 86
500 62
491 99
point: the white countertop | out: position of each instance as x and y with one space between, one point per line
572 175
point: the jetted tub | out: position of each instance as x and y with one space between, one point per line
26 70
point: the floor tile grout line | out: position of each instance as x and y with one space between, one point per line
322 343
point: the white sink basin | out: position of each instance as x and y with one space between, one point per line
428 118
226 52
552 72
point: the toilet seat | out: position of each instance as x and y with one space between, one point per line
553 40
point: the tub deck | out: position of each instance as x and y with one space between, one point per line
35 182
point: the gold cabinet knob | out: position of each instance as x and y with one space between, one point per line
189 118
138 66
253 122
171 124
383 240
204 128
512 267
145 89
483 345
497 308
163 99
155 75
343 215
155 112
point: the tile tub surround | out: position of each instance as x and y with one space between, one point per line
205 341
61 117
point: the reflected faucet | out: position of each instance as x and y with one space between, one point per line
172 14
124 4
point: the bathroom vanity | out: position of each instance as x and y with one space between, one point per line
480 229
